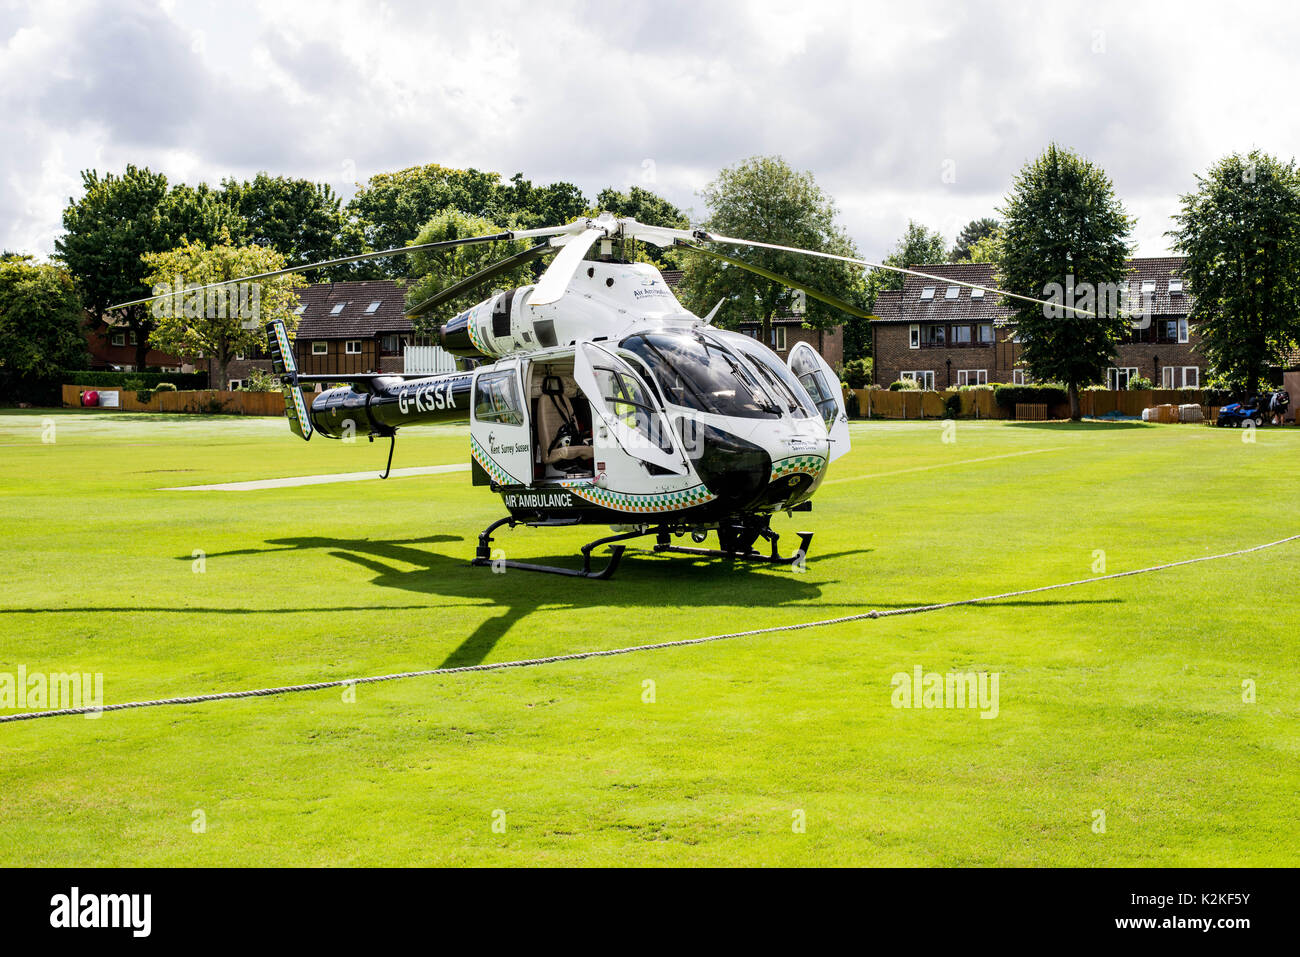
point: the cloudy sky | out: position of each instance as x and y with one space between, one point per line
901 110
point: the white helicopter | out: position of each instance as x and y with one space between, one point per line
595 397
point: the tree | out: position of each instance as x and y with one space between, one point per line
224 322
918 246
972 233
1240 232
40 326
300 219
987 249
1064 229
645 207
431 271
764 199
118 220
392 208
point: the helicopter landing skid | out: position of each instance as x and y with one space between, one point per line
483 556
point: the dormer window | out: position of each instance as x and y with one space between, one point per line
1148 287
952 292
927 292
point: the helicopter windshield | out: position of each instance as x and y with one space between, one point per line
779 380
701 374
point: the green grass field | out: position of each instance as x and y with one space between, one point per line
1124 697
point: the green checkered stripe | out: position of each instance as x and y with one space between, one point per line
810 464
628 502
498 474
479 344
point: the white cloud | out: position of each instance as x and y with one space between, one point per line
877 100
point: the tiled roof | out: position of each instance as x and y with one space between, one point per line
319 321
908 306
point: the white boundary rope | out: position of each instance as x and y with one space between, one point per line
611 652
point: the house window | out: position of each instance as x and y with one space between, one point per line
131 338
914 336
1182 330
372 308
952 292
1175 285
927 292
986 332
302 307
319 348
390 344
977 293
1148 287
352 347
961 335
119 338
1117 379
925 379
1181 377
235 384
778 338
934 336
1021 377
972 376
338 307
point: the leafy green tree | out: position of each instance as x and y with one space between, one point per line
987 249
1240 232
918 246
391 209
300 219
764 199
117 221
224 322
431 271
40 327
972 233
1064 227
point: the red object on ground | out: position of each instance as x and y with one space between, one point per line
90 398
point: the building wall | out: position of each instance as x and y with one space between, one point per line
336 360
894 356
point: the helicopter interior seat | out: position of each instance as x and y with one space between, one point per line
563 430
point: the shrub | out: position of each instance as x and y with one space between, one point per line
165 387
851 406
259 381
1009 396
952 406
903 385
857 373
1138 383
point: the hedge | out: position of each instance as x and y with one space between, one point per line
1009 396
146 380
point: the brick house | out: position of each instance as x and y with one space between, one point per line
113 347
946 336
346 327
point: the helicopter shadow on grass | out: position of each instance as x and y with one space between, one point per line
643 581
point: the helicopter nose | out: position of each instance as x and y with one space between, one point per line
734 469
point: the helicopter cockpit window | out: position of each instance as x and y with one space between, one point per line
628 401
702 374
815 382
779 380
496 399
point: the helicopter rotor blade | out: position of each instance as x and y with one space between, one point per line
363 257
556 278
706 236
817 294
483 276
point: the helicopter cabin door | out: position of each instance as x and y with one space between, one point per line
500 439
823 387
626 408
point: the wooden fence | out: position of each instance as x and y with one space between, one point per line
979 404
209 401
